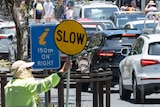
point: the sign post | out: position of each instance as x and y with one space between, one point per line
70 38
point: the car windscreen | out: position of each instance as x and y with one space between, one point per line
123 19
97 13
154 48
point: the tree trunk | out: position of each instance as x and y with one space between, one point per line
21 30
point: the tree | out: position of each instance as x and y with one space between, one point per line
11 9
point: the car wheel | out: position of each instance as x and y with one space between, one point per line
85 87
138 95
123 93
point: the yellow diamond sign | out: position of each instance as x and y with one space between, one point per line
70 37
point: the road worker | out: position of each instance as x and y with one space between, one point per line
22 89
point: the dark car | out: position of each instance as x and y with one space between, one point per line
104 49
121 18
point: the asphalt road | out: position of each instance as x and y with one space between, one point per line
151 101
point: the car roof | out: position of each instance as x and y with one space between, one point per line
141 21
128 12
112 32
7 24
151 37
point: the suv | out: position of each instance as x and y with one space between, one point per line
121 18
140 69
94 10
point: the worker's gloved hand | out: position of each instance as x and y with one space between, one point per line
66 67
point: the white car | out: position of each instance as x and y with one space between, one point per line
94 10
8 27
140 69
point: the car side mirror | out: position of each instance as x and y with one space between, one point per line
125 51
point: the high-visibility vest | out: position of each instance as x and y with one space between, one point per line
21 92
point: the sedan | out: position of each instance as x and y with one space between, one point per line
140 69
103 49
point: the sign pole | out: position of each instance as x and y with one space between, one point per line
71 40
68 85
46 93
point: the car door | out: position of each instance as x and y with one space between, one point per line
132 62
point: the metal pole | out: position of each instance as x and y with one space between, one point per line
68 85
46 93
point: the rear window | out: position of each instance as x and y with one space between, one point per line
123 19
8 30
99 12
154 48
148 25
118 40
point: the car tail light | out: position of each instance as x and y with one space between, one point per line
1 37
106 53
146 62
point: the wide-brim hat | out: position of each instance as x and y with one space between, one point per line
19 69
151 2
21 63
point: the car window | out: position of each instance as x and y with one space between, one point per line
154 48
95 41
137 47
76 12
8 30
148 25
118 40
123 19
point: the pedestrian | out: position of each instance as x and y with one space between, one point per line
38 11
22 90
59 10
48 10
69 13
134 6
125 6
151 7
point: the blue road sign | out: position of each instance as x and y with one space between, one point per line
44 51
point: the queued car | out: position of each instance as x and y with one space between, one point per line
103 49
94 10
140 69
121 18
145 25
8 27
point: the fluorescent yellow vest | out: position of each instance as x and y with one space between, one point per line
21 92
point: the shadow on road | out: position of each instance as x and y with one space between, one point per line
147 101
